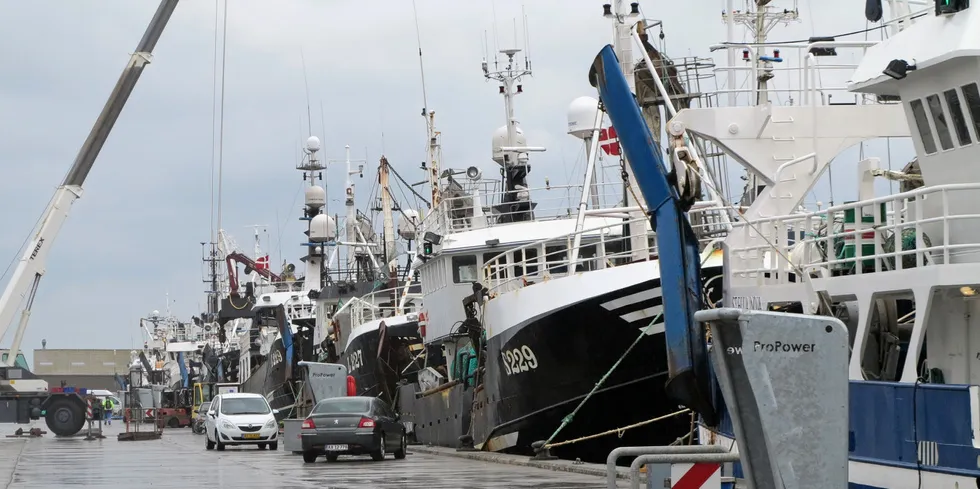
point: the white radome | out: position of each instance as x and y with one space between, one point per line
315 196
313 144
322 228
500 140
581 117
408 224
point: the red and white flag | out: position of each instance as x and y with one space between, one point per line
609 141
262 263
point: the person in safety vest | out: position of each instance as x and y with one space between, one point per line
108 410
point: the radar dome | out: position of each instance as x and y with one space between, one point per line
316 197
313 144
322 228
581 117
408 224
500 140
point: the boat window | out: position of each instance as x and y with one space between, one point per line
956 113
922 124
464 269
530 258
939 118
555 257
971 98
498 268
587 259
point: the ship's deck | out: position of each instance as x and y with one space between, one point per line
179 460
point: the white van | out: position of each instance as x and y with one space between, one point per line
102 394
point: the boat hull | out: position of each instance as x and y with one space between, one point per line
902 435
539 370
378 367
270 380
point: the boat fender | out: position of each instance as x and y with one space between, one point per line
873 10
351 386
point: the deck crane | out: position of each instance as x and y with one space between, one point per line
680 277
789 412
21 390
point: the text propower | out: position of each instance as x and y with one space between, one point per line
775 347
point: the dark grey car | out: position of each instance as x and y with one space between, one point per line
354 425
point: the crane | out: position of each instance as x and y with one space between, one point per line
788 412
64 412
680 276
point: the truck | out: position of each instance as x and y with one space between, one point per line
24 397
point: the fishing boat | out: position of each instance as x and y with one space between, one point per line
898 269
542 307
379 329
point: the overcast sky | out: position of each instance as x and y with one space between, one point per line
135 235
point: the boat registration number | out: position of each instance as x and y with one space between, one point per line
336 448
251 436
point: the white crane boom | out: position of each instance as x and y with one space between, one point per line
24 281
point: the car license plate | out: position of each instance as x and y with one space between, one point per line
251 436
336 448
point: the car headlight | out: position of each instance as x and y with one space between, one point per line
270 424
228 425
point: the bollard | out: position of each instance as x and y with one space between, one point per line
670 450
542 453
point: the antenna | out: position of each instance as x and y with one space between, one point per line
418 39
527 42
496 44
326 196
309 118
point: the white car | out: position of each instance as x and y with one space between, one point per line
241 419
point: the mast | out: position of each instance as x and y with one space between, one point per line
350 222
512 155
315 200
435 156
623 20
759 22
209 255
389 223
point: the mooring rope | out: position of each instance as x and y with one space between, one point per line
568 419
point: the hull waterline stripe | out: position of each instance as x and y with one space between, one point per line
632 298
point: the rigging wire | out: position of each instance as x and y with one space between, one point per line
214 110
846 34
221 136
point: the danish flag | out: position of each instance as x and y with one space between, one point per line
611 146
262 263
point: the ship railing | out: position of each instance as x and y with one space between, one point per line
481 210
599 248
938 225
381 304
803 83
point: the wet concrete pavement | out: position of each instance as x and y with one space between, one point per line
179 460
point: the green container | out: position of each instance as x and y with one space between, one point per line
849 250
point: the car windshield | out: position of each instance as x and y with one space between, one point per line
343 405
204 406
244 405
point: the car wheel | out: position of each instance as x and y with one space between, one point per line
217 441
310 457
261 446
402 447
274 446
379 454
332 457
